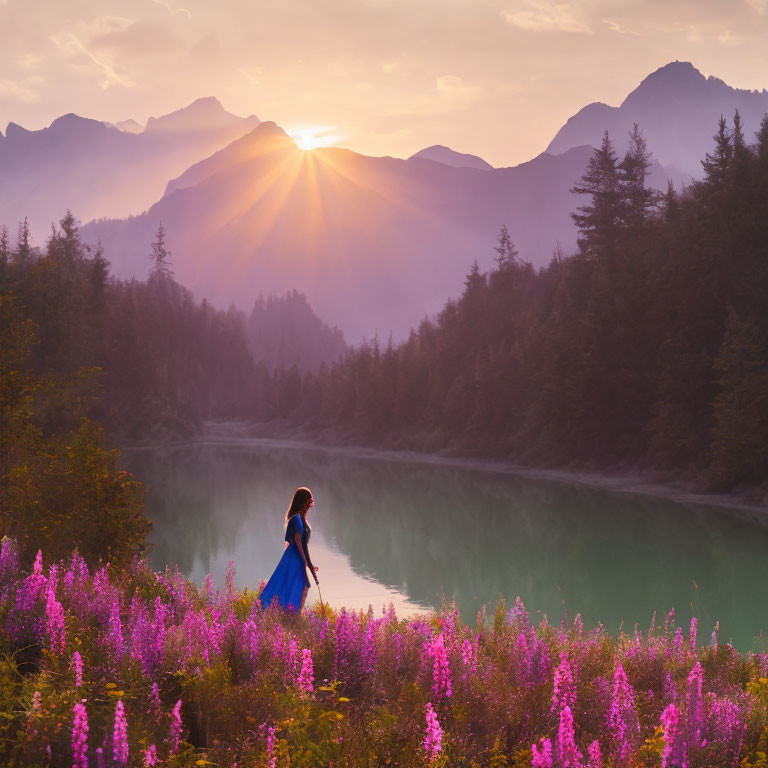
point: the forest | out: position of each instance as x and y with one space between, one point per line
648 348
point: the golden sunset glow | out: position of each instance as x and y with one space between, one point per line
312 138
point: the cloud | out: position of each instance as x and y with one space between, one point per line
24 91
546 16
729 38
71 45
165 4
457 89
759 6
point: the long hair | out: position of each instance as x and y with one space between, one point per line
300 497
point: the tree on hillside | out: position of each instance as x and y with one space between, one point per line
506 253
598 221
160 256
639 200
23 248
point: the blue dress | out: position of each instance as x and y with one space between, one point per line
290 577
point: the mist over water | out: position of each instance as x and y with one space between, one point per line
412 532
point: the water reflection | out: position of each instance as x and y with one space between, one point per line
412 532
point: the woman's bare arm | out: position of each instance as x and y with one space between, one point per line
297 539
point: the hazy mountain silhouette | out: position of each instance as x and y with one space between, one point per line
677 109
130 126
97 169
373 242
284 331
448 156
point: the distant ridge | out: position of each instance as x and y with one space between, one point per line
447 156
676 107
97 169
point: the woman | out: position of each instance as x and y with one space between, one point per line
289 583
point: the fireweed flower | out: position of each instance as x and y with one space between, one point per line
433 740
368 650
80 736
175 732
677 644
594 754
622 718
150 756
441 671
271 747
115 632
674 753
54 622
670 691
567 751
517 616
77 663
541 756
694 704
564 693
306 675
154 699
694 626
120 736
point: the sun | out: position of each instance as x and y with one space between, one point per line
313 137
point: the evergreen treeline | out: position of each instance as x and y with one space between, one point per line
161 360
649 346
284 331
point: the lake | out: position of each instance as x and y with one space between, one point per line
413 533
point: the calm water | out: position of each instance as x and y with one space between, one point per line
408 533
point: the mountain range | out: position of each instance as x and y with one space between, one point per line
375 243
676 107
102 170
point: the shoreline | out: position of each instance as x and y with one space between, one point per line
641 484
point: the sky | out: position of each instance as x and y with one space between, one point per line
496 78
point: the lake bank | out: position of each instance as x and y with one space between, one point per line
752 503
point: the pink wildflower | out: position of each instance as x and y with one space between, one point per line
271 747
120 736
441 671
307 675
175 733
433 740
77 663
150 756
564 693
80 736
154 699
692 637
694 703
595 756
541 756
674 753
622 718
567 751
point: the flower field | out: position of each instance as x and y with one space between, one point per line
136 668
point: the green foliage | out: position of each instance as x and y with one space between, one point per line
59 491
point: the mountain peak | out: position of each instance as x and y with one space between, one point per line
203 114
72 123
670 81
447 156
14 130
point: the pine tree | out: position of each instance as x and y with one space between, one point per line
23 248
718 164
5 255
160 256
506 253
599 221
638 199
